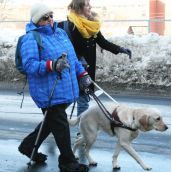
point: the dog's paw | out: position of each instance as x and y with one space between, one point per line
116 168
93 164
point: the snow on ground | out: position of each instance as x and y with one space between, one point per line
150 64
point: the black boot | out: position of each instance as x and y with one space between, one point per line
73 167
38 157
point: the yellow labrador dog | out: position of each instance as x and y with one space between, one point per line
93 120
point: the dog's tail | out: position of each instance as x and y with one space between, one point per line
74 121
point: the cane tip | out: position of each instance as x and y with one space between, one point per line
28 165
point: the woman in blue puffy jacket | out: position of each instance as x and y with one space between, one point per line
56 59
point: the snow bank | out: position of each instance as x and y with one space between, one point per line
150 64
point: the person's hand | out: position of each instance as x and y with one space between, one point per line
60 64
84 82
126 51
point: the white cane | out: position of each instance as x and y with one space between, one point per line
42 124
46 112
104 92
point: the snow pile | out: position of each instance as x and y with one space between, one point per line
8 41
150 64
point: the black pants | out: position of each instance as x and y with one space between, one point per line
57 124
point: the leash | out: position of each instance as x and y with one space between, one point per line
114 122
97 93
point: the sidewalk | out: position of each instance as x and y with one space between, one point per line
15 123
13 161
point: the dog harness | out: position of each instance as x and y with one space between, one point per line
114 119
116 122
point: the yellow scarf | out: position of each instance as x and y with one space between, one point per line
86 27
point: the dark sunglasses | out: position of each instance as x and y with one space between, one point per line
46 17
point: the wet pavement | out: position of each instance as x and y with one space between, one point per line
13 161
15 123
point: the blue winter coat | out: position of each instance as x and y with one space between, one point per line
55 41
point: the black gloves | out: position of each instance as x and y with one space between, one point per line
126 51
84 82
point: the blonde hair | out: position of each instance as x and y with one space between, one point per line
76 5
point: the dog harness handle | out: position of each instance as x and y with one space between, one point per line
114 119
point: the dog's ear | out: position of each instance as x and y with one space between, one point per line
144 122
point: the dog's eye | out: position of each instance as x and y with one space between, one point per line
158 118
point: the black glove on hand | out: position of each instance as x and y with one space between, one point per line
84 82
60 64
126 51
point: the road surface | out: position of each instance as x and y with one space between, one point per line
16 123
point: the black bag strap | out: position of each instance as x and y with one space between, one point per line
66 28
37 37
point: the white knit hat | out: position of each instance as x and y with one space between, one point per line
39 10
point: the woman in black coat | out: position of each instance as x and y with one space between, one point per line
83 29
